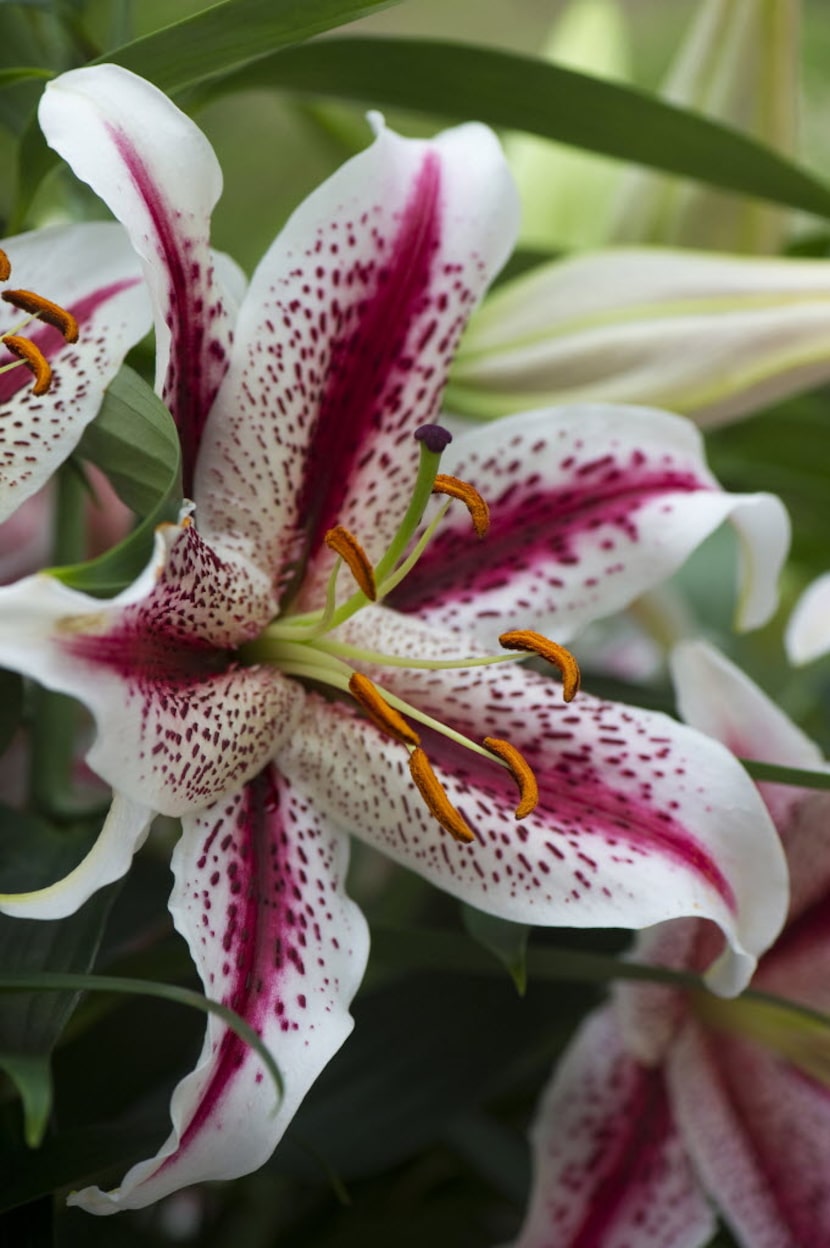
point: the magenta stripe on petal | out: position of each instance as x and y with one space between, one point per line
264 933
579 802
198 360
534 527
50 341
368 366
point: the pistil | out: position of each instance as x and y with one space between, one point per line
301 646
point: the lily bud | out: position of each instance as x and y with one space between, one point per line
738 64
709 336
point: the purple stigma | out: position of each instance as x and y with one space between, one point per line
435 437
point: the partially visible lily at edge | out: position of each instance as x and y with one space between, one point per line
73 303
306 658
672 1107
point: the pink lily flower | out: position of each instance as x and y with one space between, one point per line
240 685
669 1106
84 305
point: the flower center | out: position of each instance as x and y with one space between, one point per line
302 645
36 307
784 1029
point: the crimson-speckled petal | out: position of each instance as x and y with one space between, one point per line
180 721
92 272
758 1132
610 1170
158 174
260 899
590 506
343 344
640 818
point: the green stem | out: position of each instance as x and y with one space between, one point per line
802 779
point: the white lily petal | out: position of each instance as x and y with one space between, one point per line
640 819
90 271
610 1167
713 337
124 832
260 899
343 345
158 174
808 631
590 506
758 1133
179 721
716 697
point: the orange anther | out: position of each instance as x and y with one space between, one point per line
346 545
33 358
45 309
380 712
522 774
469 496
536 643
5 266
439 805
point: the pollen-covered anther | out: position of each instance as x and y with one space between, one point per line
380 712
469 496
45 310
522 773
5 266
536 643
439 805
33 358
346 545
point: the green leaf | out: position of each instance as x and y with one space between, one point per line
31 1074
230 35
134 441
506 940
522 93
22 73
59 982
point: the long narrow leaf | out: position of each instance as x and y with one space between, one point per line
522 93
232 34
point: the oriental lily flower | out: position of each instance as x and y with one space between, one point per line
275 706
64 337
669 1102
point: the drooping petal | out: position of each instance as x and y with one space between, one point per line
714 337
124 832
610 1168
808 631
91 271
640 819
179 721
590 506
758 1132
260 899
343 345
719 699
159 175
